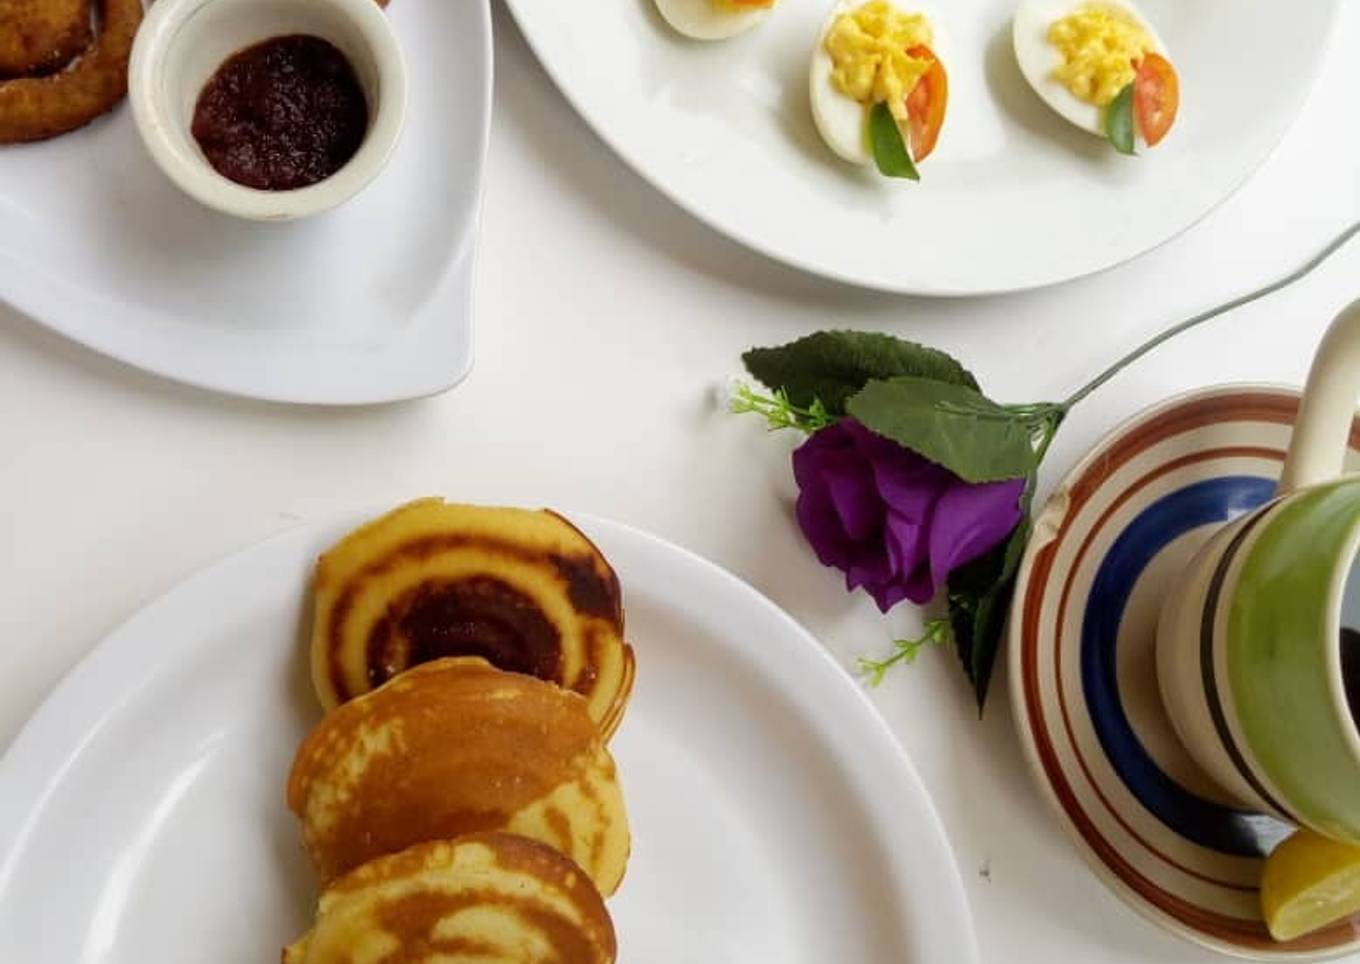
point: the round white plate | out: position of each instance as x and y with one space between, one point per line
775 818
371 302
1014 197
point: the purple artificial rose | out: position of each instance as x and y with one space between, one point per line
895 523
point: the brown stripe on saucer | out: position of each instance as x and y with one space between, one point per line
1064 598
1275 407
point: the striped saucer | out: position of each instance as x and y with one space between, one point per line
1113 536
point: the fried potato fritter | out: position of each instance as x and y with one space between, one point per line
36 108
41 36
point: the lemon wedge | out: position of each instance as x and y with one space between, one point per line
1310 881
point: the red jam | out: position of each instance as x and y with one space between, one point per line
283 114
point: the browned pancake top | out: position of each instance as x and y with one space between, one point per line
413 902
450 747
524 590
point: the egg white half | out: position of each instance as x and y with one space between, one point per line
841 120
706 20
1038 58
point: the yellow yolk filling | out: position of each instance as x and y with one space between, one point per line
868 48
1099 46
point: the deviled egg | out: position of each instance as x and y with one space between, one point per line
878 90
713 19
1101 65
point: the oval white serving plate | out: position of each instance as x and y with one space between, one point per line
371 302
775 817
1014 197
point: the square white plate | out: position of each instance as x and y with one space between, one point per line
369 303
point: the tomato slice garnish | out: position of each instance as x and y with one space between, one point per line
926 105
1156 97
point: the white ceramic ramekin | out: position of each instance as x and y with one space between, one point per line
182 43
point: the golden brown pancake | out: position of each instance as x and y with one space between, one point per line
40 36
525 590
482 899
452 747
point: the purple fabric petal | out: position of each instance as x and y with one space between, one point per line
886 596
850 483
905 542
817 515
817 518
807 458
906 482
895 523
970 520
910 538
911 490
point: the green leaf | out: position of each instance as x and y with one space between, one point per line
830 366
979 601
951 425
1119 121
890 149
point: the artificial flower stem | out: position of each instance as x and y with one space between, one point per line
1051 425
778 411
937 632
1332 247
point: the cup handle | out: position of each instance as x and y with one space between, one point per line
1317 451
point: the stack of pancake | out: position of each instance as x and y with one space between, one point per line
459 801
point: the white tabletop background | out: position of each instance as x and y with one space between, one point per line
605 318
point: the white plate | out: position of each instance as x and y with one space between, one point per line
1014 197
775 818
371 302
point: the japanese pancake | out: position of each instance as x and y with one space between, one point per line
490 898
524 589
453 747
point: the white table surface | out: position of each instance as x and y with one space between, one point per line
605 318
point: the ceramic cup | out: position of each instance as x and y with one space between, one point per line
1256 644
182 43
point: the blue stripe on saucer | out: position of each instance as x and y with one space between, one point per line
1202 821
